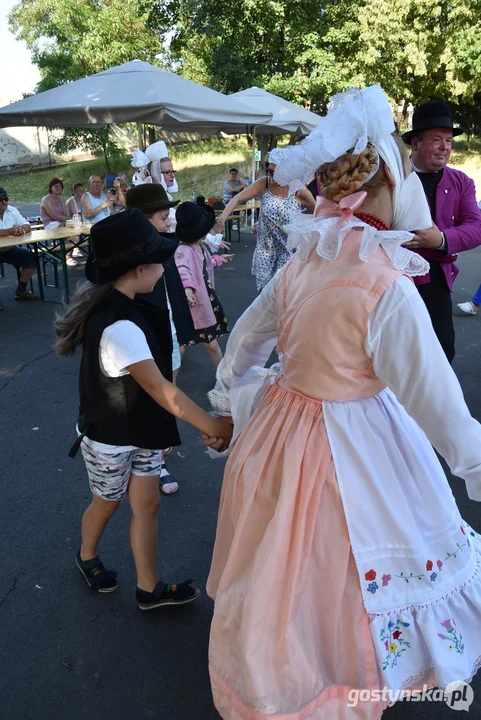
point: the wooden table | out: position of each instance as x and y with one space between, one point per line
250 205
37 240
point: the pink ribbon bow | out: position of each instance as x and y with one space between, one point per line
344 208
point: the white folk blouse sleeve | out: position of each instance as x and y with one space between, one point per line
250 343
408 358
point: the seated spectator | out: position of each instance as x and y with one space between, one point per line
74 203
12 224
95 203
118 194
232 186
123 176
74 207
52 206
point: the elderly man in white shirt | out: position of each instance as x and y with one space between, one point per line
95 203
13 224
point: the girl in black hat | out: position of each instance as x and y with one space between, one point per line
127 399
196 267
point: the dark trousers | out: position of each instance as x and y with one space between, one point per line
437 298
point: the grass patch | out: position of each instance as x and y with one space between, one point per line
462 156
202 168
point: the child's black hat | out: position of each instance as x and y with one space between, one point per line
122 242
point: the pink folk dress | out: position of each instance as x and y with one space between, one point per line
196 269
341 561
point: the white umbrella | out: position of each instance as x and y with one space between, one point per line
286 117
133 92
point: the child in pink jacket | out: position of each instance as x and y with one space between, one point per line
196 267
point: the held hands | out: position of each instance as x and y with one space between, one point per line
220 442
431 239
190 294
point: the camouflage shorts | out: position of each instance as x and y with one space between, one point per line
109 473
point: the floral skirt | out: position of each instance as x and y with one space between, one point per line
208 335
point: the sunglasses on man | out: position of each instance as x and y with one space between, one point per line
169 172
3 198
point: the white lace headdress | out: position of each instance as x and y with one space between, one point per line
354 118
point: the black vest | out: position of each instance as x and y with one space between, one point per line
117 411
182 317
430 182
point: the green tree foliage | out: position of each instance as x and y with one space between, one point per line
303 50
99 142
306 50
70 39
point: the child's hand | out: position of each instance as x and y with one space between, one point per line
221 441
227 258
224 245
190 294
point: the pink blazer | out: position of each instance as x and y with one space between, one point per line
459 218
190 260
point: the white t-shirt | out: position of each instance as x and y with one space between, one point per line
11 217
122 344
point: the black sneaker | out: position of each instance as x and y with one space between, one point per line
97 577
164 594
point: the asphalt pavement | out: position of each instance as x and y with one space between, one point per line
66 654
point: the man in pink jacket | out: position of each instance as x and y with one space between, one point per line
456 216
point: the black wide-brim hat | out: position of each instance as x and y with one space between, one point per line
193 221
122 242
149 197
433 114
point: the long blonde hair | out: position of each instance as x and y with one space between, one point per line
347 174
70 325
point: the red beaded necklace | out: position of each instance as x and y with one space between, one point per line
372 220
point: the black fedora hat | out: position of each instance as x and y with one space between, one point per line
433 114
194 221
121 243
149 197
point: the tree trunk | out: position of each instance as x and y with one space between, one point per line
468 140
151 135
272 142
263 146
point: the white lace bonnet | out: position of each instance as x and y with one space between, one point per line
139 159
354 118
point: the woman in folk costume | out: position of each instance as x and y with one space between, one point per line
162 172
140 161
341 560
